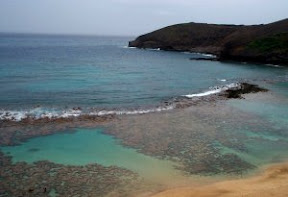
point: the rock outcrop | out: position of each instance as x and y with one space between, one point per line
258 43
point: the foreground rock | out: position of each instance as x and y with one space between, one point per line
257 43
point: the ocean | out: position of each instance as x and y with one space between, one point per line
59 77
50 75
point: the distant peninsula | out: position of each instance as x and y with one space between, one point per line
254 43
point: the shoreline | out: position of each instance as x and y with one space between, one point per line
211 56
271 181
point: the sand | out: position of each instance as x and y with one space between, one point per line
273 181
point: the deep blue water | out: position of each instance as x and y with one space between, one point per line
56 72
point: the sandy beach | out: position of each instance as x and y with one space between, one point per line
273 181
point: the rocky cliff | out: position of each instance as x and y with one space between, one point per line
259 43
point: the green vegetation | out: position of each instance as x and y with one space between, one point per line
277 42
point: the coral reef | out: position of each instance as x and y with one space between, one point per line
44 178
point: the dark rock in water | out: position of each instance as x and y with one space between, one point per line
230 93
257 43
244 88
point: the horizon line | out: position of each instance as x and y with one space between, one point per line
64 34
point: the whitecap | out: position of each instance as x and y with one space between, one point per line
205 54
157 49
273 65
215 90
12 115
188 53
127 47
131 112
208 55
39 113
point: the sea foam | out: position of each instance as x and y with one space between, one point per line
214 90
38 113
41 113
274 65
127 47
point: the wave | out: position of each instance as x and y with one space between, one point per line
39 113
42 113
157 49
131 112
127 47
215 90
205 54
148 49
274 65
208 55
187 52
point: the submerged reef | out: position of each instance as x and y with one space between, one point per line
44 178
12 133
207 139
186 137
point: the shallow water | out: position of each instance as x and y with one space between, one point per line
267 141
87 146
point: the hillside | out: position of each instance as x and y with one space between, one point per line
259 43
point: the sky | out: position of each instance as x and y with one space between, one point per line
130 17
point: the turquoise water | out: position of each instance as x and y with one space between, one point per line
50 73
272 108
46 74
87 146
267 141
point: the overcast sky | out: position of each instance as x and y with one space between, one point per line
130 17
